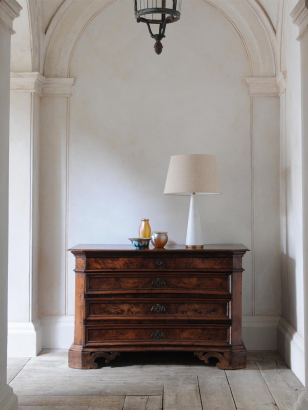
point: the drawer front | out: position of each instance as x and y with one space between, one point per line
151 282
159 263
161 334
181 309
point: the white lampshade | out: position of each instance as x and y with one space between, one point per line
193 174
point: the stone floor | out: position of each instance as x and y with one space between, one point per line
153 382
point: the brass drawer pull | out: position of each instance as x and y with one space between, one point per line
158 335
159 262
158 308
158 283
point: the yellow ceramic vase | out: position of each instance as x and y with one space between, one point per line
145 229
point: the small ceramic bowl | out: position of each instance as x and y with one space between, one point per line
159 239
140 243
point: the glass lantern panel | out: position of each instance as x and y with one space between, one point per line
169 4
146 4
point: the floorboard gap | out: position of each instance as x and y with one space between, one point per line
200 393
231 390
266 384
162 404
20 370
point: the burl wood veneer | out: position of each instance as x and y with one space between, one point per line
171 299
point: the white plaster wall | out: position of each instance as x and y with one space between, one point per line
24 206
266 226
304 68
105 154
20 205
292 278
52 245
50 8
21 55
271 8
5 44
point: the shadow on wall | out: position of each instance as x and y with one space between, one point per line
291 292
290 342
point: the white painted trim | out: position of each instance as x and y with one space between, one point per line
259 332
292 348
37 83
31 336
9 10
58 87
300 18
267 86
27 82
58 331
8 400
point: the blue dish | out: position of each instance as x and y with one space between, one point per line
140 243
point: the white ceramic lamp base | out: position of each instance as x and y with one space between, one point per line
194 238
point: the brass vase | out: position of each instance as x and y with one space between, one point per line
145 229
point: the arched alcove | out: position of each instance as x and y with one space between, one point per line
247 17
130 110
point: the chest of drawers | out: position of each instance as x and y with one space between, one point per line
171 299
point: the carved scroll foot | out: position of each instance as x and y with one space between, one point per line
108 356
87 360
230 360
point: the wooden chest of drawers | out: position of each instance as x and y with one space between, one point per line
171 299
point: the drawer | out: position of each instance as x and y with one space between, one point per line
159 263
154 309
165 282
162 334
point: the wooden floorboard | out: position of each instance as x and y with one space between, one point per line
54 408
285 395
154 382
97 402
143 403
181 395
84 387
249 390
216 393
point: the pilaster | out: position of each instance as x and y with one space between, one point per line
27 90
300 18
54 195
9 10
265 176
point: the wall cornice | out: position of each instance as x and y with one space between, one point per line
9 11
300 17
58 87
267 86
29 82
37 83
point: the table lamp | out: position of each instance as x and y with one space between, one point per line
193 175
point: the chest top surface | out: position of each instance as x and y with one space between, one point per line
169 249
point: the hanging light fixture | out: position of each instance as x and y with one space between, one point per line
159 12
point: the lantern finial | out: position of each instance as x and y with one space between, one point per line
158 47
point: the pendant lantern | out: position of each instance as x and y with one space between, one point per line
159 13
